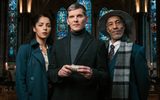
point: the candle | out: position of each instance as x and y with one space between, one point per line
6 66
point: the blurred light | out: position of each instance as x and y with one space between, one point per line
146 6
29 5
20 6
137 6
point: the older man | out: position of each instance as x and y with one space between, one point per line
127 63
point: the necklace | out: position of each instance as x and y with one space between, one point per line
44 52
44 49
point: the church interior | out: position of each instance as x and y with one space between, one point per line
15 25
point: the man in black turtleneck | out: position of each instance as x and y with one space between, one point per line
79 61
76 40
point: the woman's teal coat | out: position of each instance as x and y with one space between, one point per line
31 75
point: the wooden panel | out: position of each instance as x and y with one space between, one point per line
154 97
7 94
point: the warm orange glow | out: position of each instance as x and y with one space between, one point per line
29 6
20 6
146 6
137 6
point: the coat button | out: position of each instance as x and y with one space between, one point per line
32 78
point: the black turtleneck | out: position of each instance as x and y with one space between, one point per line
76 41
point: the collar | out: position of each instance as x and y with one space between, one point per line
81 32
115 43
34 42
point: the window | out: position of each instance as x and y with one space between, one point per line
102 36
87 4
61 26
153 35
12 28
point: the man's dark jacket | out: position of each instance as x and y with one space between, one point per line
92 53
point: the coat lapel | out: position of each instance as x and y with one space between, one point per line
64 48
87 40
49 51
67 50
38 55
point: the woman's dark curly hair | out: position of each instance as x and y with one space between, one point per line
34 20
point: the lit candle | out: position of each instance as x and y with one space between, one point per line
29 6
137 6
14 66
146 6
20 6
6 66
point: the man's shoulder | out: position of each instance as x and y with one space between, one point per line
138 49
137 46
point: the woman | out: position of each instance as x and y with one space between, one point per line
32 61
